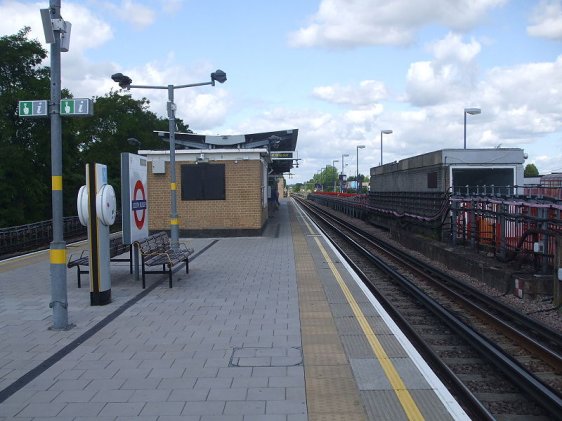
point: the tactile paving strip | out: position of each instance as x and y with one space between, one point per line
331 392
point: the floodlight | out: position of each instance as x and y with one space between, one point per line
219 76
472 111
123 81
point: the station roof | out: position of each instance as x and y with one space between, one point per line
280 144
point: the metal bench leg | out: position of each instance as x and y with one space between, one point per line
170 276
78 269
143 275
131 259
187 265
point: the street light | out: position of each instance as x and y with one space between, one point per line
133 142
471 111
335 171
125 83
342 169
384 132
357 169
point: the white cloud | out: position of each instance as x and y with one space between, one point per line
84 23
451 48
368 92
448 77
135 13
341 23
201 107
171 6
518 110
546 20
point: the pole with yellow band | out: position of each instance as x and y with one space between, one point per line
57 257
56 182
57 253
173 186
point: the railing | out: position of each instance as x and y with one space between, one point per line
508 228
39 234
488 218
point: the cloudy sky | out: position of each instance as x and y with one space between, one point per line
340 71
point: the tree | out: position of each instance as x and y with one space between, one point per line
25 182
25 155
103 137
531 171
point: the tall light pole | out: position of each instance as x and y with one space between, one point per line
335 172
342 169
471 111
57 33
125 83
384 132
357 169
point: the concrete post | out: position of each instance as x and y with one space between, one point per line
57 252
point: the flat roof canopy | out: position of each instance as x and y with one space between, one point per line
280 144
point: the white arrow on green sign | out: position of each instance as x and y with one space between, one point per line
33 108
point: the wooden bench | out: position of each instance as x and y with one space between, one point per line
155 250
116 248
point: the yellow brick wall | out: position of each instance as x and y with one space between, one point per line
242 209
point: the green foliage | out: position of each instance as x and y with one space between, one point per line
25 155
531 170
103 137
25 182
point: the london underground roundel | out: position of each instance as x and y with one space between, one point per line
138 204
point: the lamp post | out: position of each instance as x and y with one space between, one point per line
342 169
125 83
335 172
384 132
357 168
471 111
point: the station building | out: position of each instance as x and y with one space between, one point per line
225 185
449 170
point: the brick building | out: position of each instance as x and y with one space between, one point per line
224 183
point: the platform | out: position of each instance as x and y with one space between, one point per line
266 328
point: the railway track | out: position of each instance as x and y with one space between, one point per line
499 363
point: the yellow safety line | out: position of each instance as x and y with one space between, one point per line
410 408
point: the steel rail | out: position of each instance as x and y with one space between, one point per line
540 329
542 394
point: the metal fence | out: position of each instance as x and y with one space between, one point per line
36 235
39 234
496 220
517 228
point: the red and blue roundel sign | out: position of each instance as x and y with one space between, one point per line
138 204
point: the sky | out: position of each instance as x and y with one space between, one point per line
339 71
